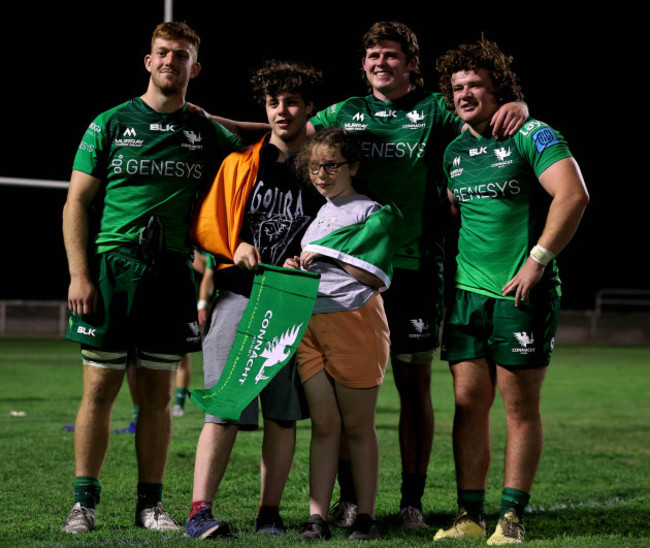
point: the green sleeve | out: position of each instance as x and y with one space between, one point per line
326 117
227 142
92 154
451 123
541 145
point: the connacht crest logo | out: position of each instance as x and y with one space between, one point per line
276 351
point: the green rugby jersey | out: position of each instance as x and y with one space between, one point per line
403 142
150 163
503 207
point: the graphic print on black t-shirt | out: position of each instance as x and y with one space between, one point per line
278 210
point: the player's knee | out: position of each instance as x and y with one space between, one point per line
160 362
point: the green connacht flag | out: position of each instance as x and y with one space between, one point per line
369 245
271 327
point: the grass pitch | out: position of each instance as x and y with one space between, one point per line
591 490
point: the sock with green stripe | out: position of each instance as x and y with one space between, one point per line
473 501
87 491
514 498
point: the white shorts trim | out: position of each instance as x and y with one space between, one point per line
103 359
162 362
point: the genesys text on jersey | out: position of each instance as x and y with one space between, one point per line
162 168
393 150
488 190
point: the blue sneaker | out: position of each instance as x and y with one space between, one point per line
130 429
203 525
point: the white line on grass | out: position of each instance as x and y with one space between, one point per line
616 501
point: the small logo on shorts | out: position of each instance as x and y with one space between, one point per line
85 331
196 332
524 340
420 328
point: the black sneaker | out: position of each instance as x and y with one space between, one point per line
364 528
269 522
315 528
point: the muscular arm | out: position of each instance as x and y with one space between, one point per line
563 181
82 294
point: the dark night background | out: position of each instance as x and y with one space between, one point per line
70 61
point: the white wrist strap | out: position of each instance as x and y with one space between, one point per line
202 304
541 255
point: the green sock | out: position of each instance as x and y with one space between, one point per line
87 491
181 394
149 494
473 500
514 498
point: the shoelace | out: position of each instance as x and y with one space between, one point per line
512 527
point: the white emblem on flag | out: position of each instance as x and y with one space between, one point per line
276 351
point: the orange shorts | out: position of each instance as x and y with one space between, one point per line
351 346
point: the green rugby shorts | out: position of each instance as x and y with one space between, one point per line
478 326
151 307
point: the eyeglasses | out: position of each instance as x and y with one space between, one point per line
331 168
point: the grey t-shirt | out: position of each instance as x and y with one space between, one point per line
338 290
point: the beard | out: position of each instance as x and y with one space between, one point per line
166 86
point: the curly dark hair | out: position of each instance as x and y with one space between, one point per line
276 77
395 31
483 54
346 142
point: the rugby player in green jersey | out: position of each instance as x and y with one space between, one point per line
139 167
520 201
404 131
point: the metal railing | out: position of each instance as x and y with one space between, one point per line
624 298
28 321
